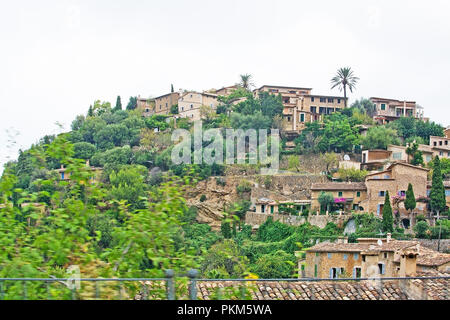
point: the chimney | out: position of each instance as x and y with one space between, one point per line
408 262
388 237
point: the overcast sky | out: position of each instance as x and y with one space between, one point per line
57 57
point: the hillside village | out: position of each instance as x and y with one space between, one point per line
363 190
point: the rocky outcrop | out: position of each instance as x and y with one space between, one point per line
219 192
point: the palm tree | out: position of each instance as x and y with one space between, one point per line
246 81
343 79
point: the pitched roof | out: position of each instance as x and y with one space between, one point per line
435 289
392 245
349 186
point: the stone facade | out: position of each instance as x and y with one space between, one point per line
301 107
190 103
256 219
165 102
388 110
147 106
388 258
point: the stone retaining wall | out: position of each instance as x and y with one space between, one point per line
256 219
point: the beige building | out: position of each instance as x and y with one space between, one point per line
301 107
226 91
147 106
388 110
373 258
190 103
347 195
165 102
395 179
369 196
269 206
65 175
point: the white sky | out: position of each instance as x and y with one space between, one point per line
57 57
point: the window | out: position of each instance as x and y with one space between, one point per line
271 209
385 255
313 109
62 175
315 271
263 208
345 257
329 255
339 100
358 194
335 272
447 193
330 100
355 256
192 106
383 106
317 254
428 157
440 143
402 193
364 258
289 119
357 272
340 194
441 153
435 143
323 100
397 155
312 99
302 117
381 268
381 194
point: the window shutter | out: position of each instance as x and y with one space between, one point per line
331 273
383 268
354 273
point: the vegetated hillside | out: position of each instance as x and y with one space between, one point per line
141 217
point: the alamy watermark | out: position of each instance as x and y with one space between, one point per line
235 146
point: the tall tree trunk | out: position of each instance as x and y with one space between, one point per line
345 95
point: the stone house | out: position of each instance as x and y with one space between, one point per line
347 195
190 103
373 258
301 107
387 110
146 105
165 102
96 173
395 179
226 91
369 196
269 206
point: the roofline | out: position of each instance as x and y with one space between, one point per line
267 85
167 94
322 96
388 99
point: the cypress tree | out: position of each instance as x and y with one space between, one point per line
132 104
226 230
410 201
437 194
118 104
90 111
388 220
